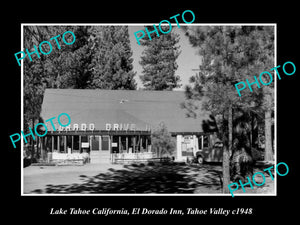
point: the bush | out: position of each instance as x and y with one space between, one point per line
162 142
26 162
241 165
258 155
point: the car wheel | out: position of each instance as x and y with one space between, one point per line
200 159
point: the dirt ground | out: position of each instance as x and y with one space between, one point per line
167 178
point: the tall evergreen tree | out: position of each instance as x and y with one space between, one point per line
33 80
100 57
230 55
112 58
159 61
66 67
69 67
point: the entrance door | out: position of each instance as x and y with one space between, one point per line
95 145
100 147
104 153
105 143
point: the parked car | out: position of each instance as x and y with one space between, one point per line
215 154
209 154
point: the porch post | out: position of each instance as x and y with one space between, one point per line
52 146
141 143
72 147
100 143
109 143
42 147
58 143
65 143
79 143
178 147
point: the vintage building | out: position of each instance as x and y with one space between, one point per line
112 125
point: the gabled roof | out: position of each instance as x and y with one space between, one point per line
120 106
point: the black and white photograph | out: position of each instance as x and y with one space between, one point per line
112 112
142 112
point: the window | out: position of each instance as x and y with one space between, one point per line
84 139
55 143
49 143
144 146
76 143
69 142
62 143
123 143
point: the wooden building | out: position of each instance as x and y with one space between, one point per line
116 124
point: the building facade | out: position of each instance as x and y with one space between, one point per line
116 125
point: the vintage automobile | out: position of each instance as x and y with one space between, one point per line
210 154
209 150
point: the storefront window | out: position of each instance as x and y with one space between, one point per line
49 143
55 138
69 142
84 139
149 144
130 144
61 143
76 143
144 147
123 143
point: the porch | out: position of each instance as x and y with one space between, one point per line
95 147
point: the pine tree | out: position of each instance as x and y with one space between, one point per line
112 63
62 68
69 67
230 55
74 66
33 80
159 61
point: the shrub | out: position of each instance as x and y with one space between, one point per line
162 142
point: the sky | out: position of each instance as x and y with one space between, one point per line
187 60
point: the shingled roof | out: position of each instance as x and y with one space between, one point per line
121 106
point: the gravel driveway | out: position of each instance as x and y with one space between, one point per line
160 178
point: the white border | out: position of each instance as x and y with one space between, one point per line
142 24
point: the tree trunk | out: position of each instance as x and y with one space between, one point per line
32 142
230 128
227 148
254 131
268 136
226 169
